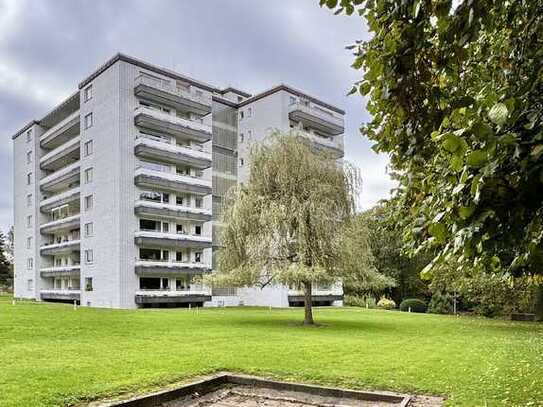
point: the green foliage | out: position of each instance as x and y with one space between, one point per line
365 301
441 303
291 223
386 246
413 304
455 95
503 358
386 303
6 268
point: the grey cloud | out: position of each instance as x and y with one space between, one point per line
53 44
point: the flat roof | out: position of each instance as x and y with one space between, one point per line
294 92
175 75
148 66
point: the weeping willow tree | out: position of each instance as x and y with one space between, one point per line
291 223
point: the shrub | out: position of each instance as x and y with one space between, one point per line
414 304
360 301
441 303
386 303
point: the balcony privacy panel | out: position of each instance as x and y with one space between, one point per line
225 122
221 185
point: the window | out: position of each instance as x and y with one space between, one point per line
88 283
183 283
198 257
88 175
198 202
29 157
87 93
250 135
29 178
28 242
178 256
29 136
154 283
30 263
179 200
179 229
88 120
88 202
241 114
241 137
29 221
249 112
89 256
29 200
147 224
292 100
89 229
241 162
89 148
30 284
197 230
165 227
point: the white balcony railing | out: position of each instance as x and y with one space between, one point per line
61 149
168 86
159 205
319 112
185 179
174 236
71 193
59 125
159 145
74 267
194 290
61 245
59 222
72 168
172 264
171 119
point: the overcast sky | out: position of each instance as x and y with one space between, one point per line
47 47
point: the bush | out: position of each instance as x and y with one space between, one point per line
385 303
360 301
441 303
414 304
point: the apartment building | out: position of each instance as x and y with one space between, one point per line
118 190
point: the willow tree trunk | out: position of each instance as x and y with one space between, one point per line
308 305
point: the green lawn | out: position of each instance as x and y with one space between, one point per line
53 355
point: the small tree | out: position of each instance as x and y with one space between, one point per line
5 264
285 225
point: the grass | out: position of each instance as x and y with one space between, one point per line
52 355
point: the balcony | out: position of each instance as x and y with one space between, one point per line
195 295
60 271
61 156
61 295
172 240
152 119
168 211
67 246
61 132
166 268
147 178
67 223
328 145
167 93
63 198
317 118
172 154
319 294
61 179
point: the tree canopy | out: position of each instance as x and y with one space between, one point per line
288 223
455 92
